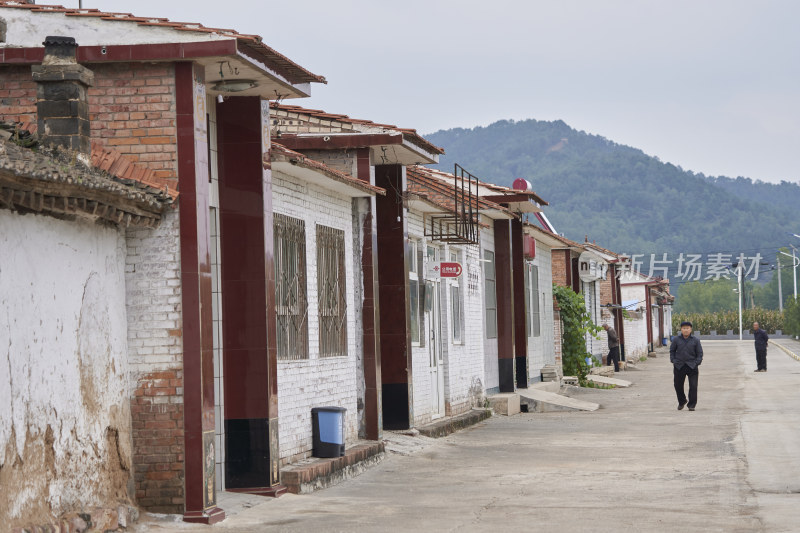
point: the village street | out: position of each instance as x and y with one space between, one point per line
637 464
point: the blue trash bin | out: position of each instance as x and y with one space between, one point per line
327 427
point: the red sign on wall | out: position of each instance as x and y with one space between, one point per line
448 270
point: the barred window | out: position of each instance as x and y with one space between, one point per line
291 300
414 269
332 292
456 303
490 294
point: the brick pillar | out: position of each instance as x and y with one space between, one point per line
61 102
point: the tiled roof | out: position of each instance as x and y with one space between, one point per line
601 249
281 153
251 45
569 243
412 134
422 182
50 182
127 171
111 161
499 189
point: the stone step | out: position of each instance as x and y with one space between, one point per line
602 371
609 381
451 424
505 403
541 401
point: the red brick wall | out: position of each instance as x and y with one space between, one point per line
17 95
132 109
158 441
560 268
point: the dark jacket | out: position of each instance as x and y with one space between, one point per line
761 338
613 338
686 351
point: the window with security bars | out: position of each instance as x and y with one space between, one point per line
291 300
332 292
490 294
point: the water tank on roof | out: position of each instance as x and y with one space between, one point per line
521 184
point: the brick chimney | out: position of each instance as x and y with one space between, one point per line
61 96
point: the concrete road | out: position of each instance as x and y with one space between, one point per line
637 464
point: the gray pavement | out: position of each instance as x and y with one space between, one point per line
637 464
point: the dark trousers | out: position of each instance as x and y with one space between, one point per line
613 355
680 375
761 358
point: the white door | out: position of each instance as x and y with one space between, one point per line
433 325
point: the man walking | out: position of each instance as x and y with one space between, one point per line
761 347
613 347
686 354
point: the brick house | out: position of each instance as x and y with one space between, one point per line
66 437
566 265
183 106
649 304
378 154
544 338
610 298
318 215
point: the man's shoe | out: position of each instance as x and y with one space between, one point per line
757 370
691 408
680 406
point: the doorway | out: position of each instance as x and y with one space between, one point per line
433 325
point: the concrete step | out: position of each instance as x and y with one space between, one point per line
312 474
609 381
451 424
505 403
541 401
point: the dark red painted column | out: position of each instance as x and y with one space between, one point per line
518 281
198 357
248 297
370 312
505 305
619 323
395 335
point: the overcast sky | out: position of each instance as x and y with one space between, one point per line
710 85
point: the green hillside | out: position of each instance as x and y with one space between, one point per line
623 198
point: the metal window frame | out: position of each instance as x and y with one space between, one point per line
331 292
291 291
460 227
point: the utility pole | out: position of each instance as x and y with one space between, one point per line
794 262
780 289
739 277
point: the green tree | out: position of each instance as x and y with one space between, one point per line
577 324
706 296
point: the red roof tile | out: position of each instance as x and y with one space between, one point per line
414 137
421 181
281 152
250 45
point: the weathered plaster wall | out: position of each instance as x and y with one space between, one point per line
65 435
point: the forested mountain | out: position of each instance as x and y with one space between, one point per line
623 198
